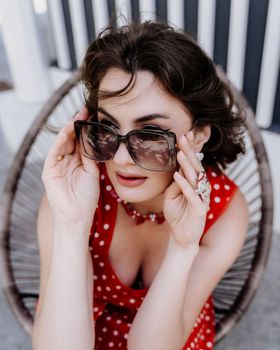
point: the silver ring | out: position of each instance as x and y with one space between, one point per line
203 186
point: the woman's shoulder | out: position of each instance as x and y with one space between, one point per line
222 187
226 201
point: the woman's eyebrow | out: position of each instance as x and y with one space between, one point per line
142 119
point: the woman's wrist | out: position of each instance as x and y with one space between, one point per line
73 230
190 249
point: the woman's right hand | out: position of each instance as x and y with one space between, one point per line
72 183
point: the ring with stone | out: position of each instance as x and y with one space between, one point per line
203 186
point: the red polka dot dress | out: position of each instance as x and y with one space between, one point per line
115 304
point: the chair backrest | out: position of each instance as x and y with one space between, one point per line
23 192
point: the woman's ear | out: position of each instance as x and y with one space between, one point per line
201 136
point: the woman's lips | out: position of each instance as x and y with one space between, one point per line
130 180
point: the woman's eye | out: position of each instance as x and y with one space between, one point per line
108 123
154 127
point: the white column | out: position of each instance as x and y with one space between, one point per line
206 25
270 66
59 34
123 11
100 15
239 10
175 13
29 71
147 9
78 21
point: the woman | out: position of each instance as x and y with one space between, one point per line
145 158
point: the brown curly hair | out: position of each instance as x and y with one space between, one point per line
183 69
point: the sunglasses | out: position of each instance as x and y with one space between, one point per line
150 149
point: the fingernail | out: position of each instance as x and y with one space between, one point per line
190 135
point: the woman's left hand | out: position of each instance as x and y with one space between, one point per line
184 210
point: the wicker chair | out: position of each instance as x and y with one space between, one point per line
23 192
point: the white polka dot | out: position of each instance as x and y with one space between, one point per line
216 186
129 325
207 318
132 301
104 277
96 256
217 199
101 264
202 337
192 345
120 344
106 226
125 336
207 306
213 174
100 339
95 277
96 309
101 243
104 329
195 324
111 344
115 296
118 287
90 248
96 235
108 318
227 187
115 332
195 339
121 304
108 289
118 321
210 216
107 207
102 177
227 199
108 188
114 277
99 289
208 331
209 344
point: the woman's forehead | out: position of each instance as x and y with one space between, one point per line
147 95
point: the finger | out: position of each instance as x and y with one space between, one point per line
64 144
187 169
192 198
172 191
82 114
185 143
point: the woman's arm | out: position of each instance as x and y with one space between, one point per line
64 317
185 280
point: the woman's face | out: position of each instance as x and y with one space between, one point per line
131 182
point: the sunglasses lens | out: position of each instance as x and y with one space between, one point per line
150 150
98 141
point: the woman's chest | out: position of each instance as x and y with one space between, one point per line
136 252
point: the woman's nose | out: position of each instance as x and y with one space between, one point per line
122 156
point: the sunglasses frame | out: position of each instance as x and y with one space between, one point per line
169 136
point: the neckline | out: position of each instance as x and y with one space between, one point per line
110 233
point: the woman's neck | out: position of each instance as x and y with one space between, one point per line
154 205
